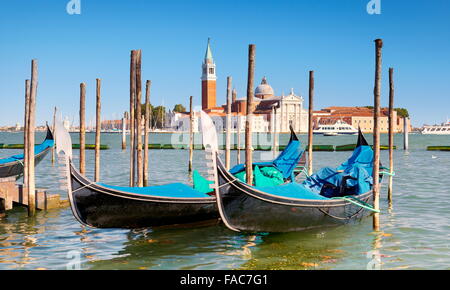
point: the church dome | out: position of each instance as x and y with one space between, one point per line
264 90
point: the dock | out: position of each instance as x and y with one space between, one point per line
13 194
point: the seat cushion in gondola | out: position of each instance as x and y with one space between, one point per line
175 190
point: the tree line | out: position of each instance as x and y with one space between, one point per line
158 113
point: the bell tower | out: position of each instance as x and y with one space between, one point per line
208 80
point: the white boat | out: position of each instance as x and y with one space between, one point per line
338 128
442 129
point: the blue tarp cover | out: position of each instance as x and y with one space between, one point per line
292 190
285 162
37 149
167 190
357 166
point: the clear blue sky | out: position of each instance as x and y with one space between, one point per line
334 38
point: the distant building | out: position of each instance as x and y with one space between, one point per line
358 117
269 111
208 80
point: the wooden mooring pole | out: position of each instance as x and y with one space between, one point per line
248 121
82 128
132 117
238 141
376 134
26 133
98 128
140 171
191 134
146 128
31 189
228 126
391 133
124 130
310 122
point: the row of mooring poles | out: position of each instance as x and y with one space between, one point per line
376 134
98 128
138 123
29 138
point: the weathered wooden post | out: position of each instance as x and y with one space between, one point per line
310 122
228 126
98 128
248 121
132 117
31 191
140 175
26 133
82 128
238 141
376 135
405 133
391 133
124 130
146 129
191 134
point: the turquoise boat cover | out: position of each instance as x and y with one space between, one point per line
329 182
200 183
292 190
285 163
37 149
176 190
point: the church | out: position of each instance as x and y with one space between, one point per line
269 111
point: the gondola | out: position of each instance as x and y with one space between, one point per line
294 207
13 166
104 206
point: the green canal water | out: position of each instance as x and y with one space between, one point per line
415 232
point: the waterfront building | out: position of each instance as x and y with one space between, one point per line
358 117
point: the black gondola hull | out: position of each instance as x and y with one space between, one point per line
101 207
15 169
244 208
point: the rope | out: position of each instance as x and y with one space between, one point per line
387 173
340 218
358 202
82 187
